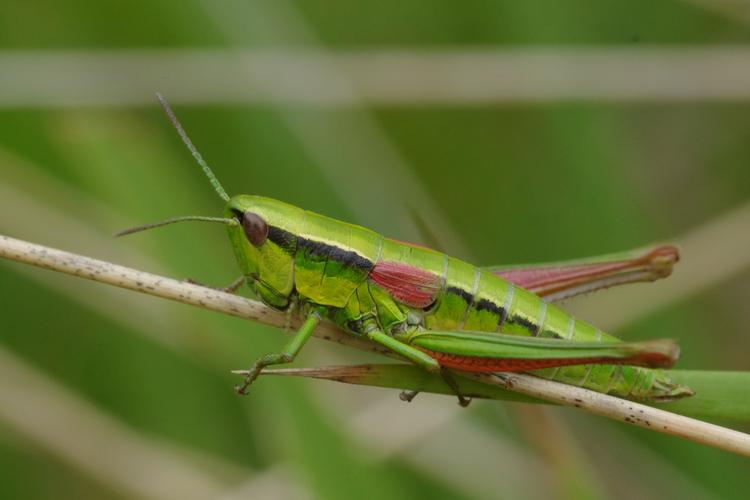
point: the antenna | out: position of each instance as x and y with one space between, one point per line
183 135
138 229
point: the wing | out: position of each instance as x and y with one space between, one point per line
409 285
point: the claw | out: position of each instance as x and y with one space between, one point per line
407 395
250 376
232 288
242 389
462 401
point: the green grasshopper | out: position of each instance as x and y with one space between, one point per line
435 310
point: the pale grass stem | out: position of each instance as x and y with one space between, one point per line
188 293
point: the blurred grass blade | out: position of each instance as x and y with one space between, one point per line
720 396
398 376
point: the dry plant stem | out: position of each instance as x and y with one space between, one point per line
167 288
623 409
208 298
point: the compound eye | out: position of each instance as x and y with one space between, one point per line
255 228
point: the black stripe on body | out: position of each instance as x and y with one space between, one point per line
468 298
348 258
479 303
488 305
344 257
284 239
524 322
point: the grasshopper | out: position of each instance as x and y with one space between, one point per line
434 310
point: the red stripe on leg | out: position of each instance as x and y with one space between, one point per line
482 364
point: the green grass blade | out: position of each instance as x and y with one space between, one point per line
720 396
400 376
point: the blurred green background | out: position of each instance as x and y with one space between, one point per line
506 131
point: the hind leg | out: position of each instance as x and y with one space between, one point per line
463 401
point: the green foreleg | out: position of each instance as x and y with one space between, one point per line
285 356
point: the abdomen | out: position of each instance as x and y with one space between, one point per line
473 299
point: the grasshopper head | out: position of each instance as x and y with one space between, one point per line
264 243
263 231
